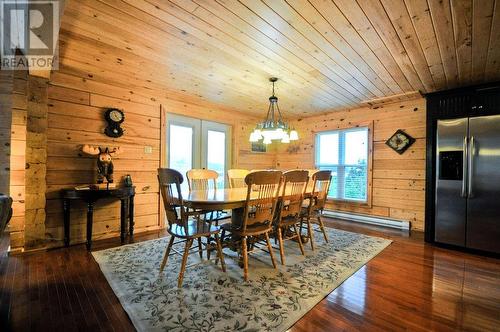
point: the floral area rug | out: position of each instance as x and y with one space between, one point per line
210 300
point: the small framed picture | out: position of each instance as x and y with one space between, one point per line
259 147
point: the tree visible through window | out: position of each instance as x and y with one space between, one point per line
345 153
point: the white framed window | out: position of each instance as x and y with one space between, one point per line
346 153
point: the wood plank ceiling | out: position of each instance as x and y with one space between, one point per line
328 54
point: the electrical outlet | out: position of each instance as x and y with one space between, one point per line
148 149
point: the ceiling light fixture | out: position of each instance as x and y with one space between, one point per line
273 127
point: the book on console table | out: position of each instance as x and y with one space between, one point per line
98 186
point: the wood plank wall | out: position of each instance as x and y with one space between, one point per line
18 158
76 107
242 126
398 180
6 82
35 183
76 118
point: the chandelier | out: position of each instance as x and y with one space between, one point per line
273 128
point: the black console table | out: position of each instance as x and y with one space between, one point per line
125 195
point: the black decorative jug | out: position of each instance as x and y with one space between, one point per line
128 180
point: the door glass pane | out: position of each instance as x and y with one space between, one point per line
328 149
216 154
181 148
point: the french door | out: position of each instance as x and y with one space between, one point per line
194 143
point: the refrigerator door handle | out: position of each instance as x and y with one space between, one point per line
470 167
464 168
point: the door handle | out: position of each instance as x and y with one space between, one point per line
470 167
464 168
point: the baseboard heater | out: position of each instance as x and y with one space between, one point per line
366 219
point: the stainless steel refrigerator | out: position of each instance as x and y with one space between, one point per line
467 212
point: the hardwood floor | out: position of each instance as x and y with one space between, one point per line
409 286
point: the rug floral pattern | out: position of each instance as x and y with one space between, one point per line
210 300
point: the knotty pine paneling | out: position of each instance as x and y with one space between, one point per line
76 118
398 184
328 54
76 106
17 157
242 125
6 86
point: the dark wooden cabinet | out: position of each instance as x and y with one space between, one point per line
452 104
449 105
483 100
486 101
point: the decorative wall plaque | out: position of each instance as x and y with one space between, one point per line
400 141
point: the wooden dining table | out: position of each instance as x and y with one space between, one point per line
225 199
216 199
233 199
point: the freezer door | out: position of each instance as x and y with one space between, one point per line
483 205
450 215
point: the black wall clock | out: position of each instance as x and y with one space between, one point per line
400 141
114 117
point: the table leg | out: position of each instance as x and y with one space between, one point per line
90 221
131 215
123 214
237 216
66 210
234 240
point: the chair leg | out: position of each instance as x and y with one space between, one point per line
223 235
322 227
270 250
209 251
299 239
282 249
310 232
167 252
200 248
245 257
301 227
189 243
219 253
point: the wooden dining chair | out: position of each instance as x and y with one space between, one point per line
311 212
236 178
260 207
202 179
311 172
205 179
183 225
292 193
